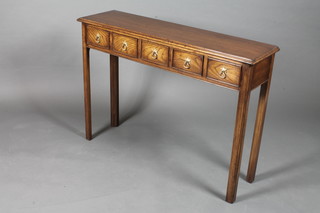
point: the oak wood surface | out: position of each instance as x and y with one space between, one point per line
136 49
258 129
86 83
170 68
125 45
114 90
224 71
97 37
218 44
261 72
155 53
187 61
239 133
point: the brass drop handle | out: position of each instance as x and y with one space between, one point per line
124 46
154 54
223 72
187 63
98 38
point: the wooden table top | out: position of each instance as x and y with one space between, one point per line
231 47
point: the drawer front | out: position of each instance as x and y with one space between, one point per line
97 37
155 53
125 45
224 71
187 61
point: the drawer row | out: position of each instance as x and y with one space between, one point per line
153 52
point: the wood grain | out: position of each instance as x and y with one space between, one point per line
86 83
132 44
103 37
141 53
155 53
170 68
239 133
258 129
261 72
232 73
226 46
179 61
114 90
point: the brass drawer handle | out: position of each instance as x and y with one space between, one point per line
124 46
154 54
98 38
187 63
223 72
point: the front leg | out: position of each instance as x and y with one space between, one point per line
258 129
239 133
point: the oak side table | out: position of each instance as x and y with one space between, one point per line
223 60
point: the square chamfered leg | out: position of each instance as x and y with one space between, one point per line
256 141
86 81
114 90
258 129
239 133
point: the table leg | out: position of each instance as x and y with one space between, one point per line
87 92
114 90
239 133
258 129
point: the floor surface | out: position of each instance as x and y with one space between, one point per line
170 154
